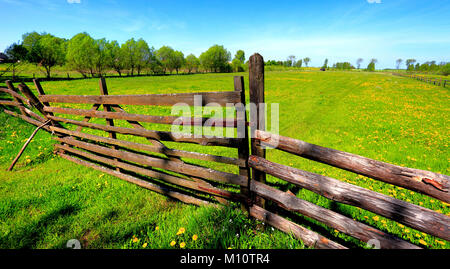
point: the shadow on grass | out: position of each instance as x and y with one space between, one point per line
30 235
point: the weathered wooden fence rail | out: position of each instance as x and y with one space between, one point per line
434 81
157 167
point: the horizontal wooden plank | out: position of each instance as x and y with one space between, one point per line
27 119
8 103
159 135
308 237
179 167
15 94
154 174
145 118
152 148
414 216
219 98
426 182
142 183
332 219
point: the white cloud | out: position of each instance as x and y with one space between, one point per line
74 1
374 1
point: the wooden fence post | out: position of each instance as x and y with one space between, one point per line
107 108
257 117
21 106
242 132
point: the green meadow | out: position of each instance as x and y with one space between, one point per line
47 200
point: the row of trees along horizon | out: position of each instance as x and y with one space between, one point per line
95 57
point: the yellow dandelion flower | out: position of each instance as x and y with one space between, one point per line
418 235
181 231
421 241
401 225
157 228
173 243
431 201
182 245
376 218
195 237
440 242
144 245
230 248
406 230
135 240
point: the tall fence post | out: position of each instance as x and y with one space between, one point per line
242 134
109 122
257 116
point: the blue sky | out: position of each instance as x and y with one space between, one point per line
337 30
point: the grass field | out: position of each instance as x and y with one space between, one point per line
47 200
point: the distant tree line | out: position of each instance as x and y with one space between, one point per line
94 57
412 65
290 62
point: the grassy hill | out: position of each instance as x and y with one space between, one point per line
47 200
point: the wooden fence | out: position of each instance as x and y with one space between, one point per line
170 174
434 81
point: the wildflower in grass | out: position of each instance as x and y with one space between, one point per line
195 237
440 242
144 245
431 201
418 235
421 241
157 228
181 231
401 225
173 243
407 231
182 245
375 218
135 239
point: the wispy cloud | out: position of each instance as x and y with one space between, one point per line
74 1
374 1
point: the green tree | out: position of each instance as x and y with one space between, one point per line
192 63
115 57
100 56
399 62
240 55
47 52
359 62
177 60
16 54
299 63
325 64
81 50
165 56
371 67
291 60
215 59
238 62
410 64
130 55
306 61
143 55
